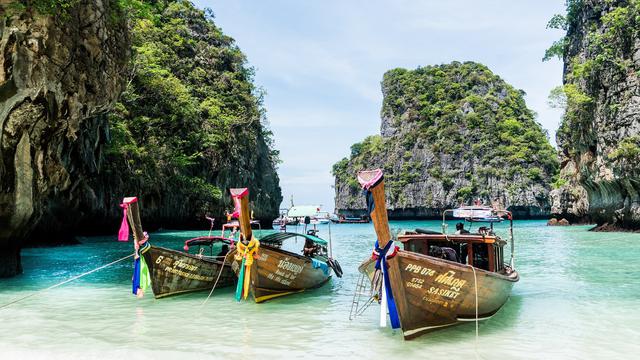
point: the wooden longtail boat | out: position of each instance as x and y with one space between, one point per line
267 271
437 280
175 272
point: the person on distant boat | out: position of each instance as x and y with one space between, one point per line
310 248
224 251
460 229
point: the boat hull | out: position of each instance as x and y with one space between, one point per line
432 293
174 272
277 273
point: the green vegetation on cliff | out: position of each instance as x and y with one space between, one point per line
457 125
191 122
598 138
119 9
609 46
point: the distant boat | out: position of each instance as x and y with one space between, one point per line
322 217
341 219
437 279
296 215
175 272
283 220
266 271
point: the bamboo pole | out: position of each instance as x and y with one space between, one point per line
244 218
379 213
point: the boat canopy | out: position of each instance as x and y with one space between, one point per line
303 210
279 237
477 213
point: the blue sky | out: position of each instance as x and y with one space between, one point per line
321 63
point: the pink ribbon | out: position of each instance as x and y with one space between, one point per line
123 234
236 195
367 184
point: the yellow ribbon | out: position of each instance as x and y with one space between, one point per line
247 252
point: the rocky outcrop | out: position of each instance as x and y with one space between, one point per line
450 135
599 137
58 76
556 222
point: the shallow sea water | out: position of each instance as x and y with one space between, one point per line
578 298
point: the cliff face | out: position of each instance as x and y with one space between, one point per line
599 137
451 134
58 76
100 102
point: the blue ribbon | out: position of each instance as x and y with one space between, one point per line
391 304
135 281
370 203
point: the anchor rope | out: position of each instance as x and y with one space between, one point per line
216 283
65 282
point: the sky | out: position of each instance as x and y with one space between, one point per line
321 63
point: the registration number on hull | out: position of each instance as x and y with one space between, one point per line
447 285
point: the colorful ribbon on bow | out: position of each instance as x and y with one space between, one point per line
387 301
141 278
247 253
123 234
368 195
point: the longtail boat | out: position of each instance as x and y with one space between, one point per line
437 279
171 272
266 270
351 220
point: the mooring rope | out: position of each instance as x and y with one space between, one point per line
475 285
65 282
218 278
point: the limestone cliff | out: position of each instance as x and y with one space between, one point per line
58 77
452 134
189 126
599 137
98 103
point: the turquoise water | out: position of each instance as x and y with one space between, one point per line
578 298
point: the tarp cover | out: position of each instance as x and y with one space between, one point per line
281 236
474 212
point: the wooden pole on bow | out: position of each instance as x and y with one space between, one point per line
373 181
241 195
